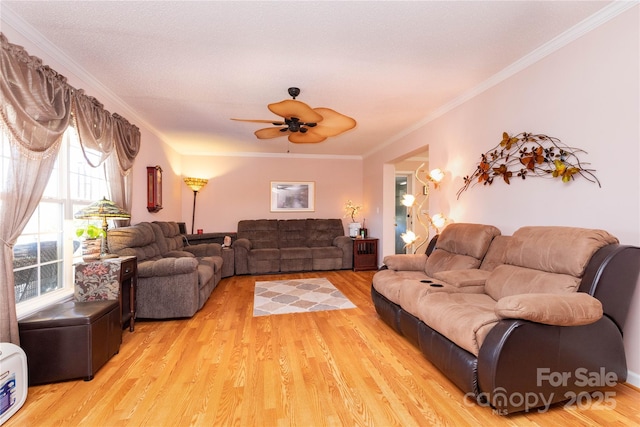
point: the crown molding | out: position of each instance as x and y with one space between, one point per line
594 21
54 53
275 155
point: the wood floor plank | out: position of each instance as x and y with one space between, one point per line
224 367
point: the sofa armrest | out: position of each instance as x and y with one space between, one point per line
167 267
572 309
520 359
342 242
241 249
242 244
345 243
204 249
405 262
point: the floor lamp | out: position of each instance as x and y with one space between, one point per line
196 185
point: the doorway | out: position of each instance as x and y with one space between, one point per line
403 220
406 183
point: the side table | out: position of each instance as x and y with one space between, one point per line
109 279
365 254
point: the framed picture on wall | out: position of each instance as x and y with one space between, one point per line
293 196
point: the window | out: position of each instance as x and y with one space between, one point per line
44 253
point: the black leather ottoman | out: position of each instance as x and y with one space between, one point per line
70 340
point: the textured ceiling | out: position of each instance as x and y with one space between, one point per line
186 68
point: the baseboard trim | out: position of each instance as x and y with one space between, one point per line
633 379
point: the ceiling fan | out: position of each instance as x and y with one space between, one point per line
302 123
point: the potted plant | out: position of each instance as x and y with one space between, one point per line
91 236
352 210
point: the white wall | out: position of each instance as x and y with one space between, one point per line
586 94
239 187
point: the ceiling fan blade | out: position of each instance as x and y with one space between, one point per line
306 138
275 122
291 108
333 123
268 133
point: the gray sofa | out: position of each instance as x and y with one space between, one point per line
279 246
174 280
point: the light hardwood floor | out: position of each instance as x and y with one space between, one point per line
224 367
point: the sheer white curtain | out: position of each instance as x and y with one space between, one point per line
35 110
36 106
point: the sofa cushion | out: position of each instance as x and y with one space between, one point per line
292 233
262 233
263 261
441 260
295 259
467 239
215 262
463 318
460 246
295 253
322 232
326 252
167 267
205 274
138 240
574 309
506 280
326 258
389 282
463 278
563 250
168 236
496 253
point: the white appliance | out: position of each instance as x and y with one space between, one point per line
13 380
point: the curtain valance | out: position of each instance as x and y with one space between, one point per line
37 103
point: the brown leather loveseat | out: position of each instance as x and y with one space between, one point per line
516 322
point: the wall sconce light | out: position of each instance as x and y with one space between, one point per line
196 185
416 202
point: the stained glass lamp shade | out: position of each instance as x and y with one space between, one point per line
103 209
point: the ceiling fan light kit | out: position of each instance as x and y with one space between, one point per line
302 123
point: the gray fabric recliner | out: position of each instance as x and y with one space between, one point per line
282 246
173 280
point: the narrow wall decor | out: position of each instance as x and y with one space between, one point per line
154 188
529 155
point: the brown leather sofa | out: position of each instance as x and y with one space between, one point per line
516 322
279 246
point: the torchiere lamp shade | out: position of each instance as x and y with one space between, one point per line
196 185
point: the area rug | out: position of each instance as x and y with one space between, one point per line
297 296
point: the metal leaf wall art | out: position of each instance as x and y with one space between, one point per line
528 155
